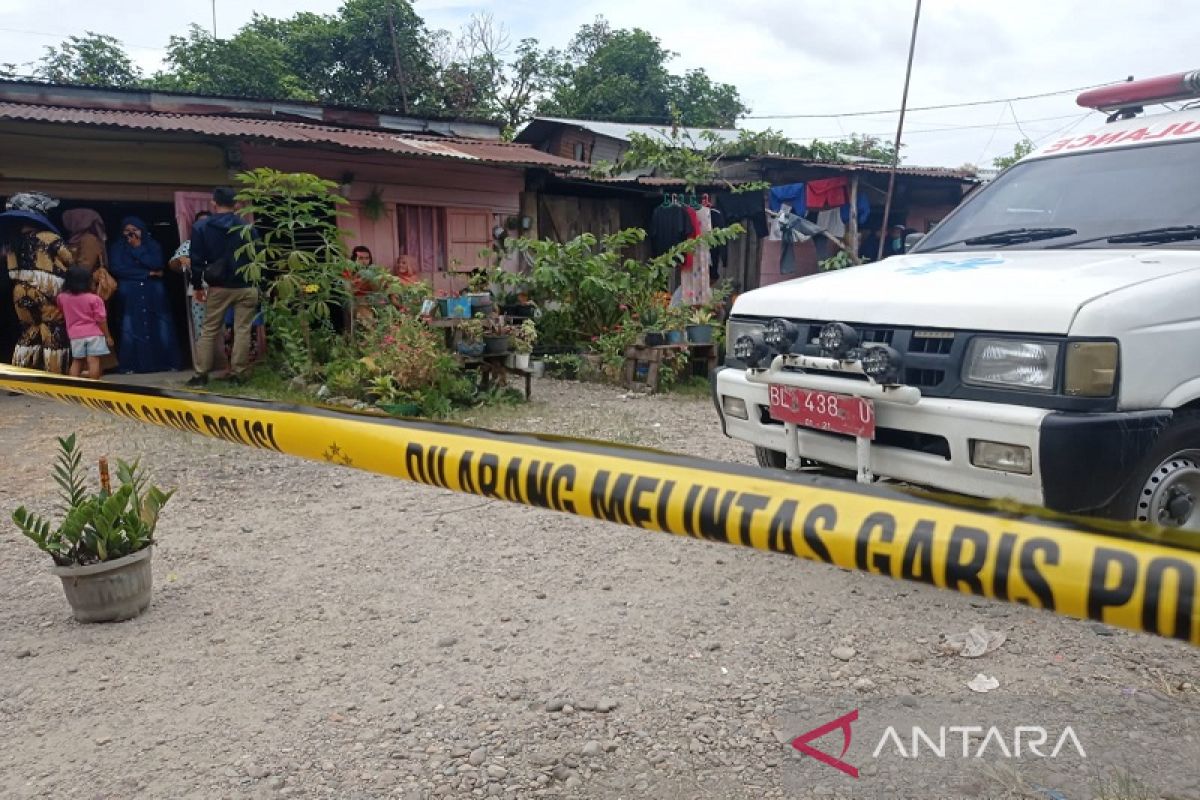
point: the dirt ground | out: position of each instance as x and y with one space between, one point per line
320 632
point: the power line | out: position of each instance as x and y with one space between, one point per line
929 108
62 38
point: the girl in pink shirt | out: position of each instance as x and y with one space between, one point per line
87 322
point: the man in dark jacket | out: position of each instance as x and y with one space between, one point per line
217 262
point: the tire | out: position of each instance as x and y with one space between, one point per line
771 459
1164 488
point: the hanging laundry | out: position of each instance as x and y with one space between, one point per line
790 234
693 277
791 193
720 254
827 193
738 206
831 220
668 227
864 209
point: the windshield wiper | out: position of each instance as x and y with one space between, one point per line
1173 233
1009 236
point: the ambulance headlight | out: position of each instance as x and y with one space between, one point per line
1011 363
734 330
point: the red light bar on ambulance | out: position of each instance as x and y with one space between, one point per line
1164 89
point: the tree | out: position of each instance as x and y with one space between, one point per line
248 65
1019 151
92 60
622 75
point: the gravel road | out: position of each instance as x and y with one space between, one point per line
320 632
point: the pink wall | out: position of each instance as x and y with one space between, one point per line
806 262
398 180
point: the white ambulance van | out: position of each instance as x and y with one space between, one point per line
1041 344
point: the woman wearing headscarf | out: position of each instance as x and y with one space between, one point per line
147 342
86 237
37 262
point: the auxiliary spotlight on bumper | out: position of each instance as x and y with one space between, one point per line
780 335
750 349
880 363
837 339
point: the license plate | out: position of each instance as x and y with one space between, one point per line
823 411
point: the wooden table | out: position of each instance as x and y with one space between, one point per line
495 371
699 355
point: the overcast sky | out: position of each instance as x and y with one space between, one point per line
785 58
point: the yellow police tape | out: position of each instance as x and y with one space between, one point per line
1124 582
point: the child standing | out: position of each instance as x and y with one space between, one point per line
87 322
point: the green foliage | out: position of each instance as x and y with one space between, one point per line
564 365
609 73
300 254
839 260
1019 151
246 65
95 527
93 59
591 282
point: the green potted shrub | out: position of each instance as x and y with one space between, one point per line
497 335
524 336
652 334
102 547
470 337
700 331
674 322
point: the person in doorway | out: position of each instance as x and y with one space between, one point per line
181 262
361 255
218 259
87 322
148 341
403 270
87 239
894 244
37 262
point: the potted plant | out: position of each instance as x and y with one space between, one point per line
653 335
674 321
101 549
700 330
524 336
470 333
478 291
497 335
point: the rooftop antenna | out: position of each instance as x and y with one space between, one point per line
887 203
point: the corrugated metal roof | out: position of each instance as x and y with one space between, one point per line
621 130
224 126
875 168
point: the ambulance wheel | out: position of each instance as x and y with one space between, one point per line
771 459
1165 487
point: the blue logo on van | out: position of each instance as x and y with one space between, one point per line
946 265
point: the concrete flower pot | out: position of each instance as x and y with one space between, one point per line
110 591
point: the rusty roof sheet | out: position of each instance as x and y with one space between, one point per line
876 168
289 132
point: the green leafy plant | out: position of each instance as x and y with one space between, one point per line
524 336
96 527
299 256
839 260
701 316
564 365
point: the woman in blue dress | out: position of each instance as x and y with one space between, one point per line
148 342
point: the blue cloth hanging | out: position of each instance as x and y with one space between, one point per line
791 193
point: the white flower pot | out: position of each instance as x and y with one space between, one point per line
521 361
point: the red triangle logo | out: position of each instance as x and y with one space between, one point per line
801 743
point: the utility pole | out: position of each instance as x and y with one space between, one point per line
399 66
214 10
887 203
